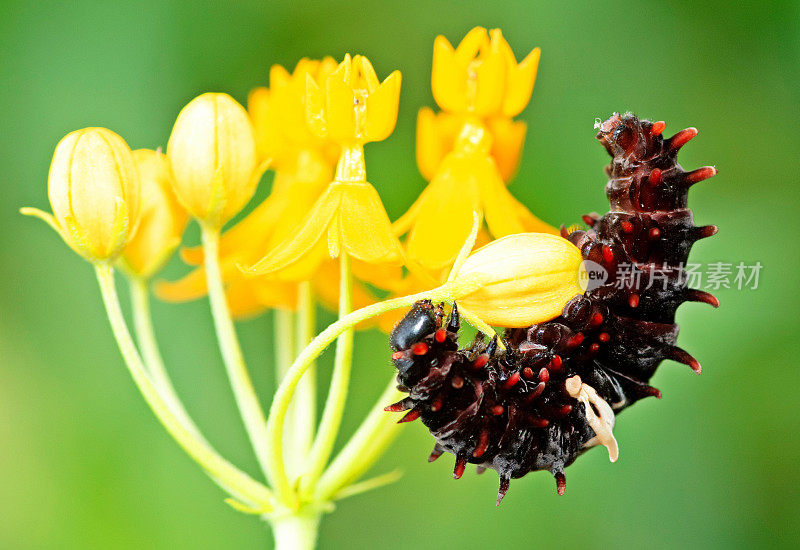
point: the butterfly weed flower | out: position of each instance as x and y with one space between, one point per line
94 189
353 108
470 149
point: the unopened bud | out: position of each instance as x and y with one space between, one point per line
93 187
519 280
212 150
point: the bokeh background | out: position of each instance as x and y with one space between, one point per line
715 464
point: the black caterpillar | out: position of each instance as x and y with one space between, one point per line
523 409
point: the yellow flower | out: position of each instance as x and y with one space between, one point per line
349 217
162 220
437 133
520 279
279 113
481 76
293 195
466 181
94 189
353 106
212 151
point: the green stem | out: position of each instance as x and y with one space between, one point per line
340 382
306 394
294 448
277 415
378 430
145 336
296 531
231 478
243 391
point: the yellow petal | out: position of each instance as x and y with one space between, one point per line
381 275
444 218
382 105
365 229
313 228
315 108
490 81
271 293
508 140
242 300
498 205
162 220
429 146
471 44
339 112
531 223
371 81
520 83
193 285
448 77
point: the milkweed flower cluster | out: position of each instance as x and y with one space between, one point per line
319 237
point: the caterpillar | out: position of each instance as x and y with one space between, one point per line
555 390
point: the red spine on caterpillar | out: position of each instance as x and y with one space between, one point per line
555 390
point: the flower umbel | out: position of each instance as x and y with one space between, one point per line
94 189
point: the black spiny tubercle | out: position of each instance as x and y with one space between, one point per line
555 389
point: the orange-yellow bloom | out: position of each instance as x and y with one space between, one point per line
94 191
349 217
353 105
481 76
279 114
466 181
162 220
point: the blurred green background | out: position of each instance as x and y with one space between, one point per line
83 464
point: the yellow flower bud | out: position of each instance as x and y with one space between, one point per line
93 187
212 151
519 280
162 220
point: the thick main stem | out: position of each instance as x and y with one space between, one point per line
145 336
277 415
233 480
243 391
296 531
340 382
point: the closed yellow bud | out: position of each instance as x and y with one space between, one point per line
519 280
212 151
162 220
93 188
